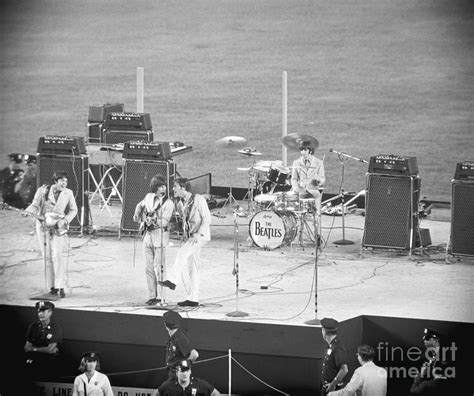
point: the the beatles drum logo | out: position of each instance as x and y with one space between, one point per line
267 228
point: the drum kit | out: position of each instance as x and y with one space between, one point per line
277 212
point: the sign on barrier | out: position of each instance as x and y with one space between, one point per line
59 389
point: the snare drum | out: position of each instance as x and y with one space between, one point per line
278 174
269 229
286 200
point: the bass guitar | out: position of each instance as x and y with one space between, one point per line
52 221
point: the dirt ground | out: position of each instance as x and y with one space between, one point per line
106 273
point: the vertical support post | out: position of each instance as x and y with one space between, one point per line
140 89
230 372
284 116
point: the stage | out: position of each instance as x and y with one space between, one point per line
276 293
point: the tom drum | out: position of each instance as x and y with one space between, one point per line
270 230
278 174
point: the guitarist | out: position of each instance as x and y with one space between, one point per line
154 214
57 202
196 216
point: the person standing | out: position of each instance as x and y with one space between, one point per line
154 213
307 173
196 219
368 379
185 383
91 382
334 367
178 346
42 345
55 207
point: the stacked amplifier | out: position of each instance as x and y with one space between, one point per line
143 160
462 210
67 153
392 198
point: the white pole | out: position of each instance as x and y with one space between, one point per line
284 117
140 86
230 372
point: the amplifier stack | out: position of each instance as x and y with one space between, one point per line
392 198
462 210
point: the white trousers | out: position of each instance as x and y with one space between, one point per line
51 246
186 268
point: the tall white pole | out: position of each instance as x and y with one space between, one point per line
140 89
284 116
230 372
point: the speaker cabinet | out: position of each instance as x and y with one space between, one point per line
76 168
137 177
391 211
112 136
462 218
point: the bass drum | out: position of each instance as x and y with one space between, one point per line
270 230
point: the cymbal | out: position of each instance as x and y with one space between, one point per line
293 141
244 169
250 151
231 142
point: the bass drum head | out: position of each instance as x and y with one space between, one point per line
270 230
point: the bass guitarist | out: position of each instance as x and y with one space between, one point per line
54 207
154 214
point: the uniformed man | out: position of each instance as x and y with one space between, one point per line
184 384
43 340
178 347
335 359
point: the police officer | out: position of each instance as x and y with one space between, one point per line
178 347
184 384
43 340
334 367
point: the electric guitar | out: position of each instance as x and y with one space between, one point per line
147 221
52 221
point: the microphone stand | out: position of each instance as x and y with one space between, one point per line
315 321
341 156
235 272
163 302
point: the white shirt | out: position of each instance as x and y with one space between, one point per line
367 380
99 385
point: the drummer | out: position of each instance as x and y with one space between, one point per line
307 175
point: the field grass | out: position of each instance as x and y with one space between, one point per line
364 77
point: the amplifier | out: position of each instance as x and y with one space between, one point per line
99 113
147 150
393 165
128 121
464 171
61 145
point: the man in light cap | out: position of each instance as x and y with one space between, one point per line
43 339
178 347
334 367
185 384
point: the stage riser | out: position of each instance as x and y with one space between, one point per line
287 357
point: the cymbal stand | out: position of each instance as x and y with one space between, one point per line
249 194
230 200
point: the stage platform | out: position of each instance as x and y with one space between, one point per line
106 272
276 294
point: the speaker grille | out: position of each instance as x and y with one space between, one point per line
78 180
462 218
137 177
114 137
391 202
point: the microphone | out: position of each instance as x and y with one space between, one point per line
331 150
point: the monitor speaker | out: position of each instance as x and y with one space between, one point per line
462 218
137 177
391 211
76 168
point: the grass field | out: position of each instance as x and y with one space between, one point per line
364 77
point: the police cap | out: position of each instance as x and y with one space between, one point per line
44 305
429 334
183 365
90 356
329 323
172 319
16 157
